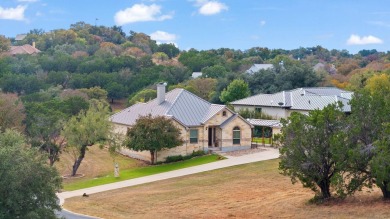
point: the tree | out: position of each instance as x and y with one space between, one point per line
169 49
203 87
153 134
115 91
143 96
5 44
86 129
314 149
380 163
238 89
216 71
95 93
28 185
44 127
11 112
369 136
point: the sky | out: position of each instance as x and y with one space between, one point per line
211 24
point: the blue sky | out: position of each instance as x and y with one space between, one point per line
205 24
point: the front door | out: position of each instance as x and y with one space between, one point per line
211 136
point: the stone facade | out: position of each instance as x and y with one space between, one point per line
222 138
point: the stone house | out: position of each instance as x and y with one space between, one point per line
204 126
282 104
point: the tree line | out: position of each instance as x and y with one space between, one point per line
337 154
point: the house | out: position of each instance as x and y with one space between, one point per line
330 68
282 104
257 67
20 37
25 49
203 126
196 74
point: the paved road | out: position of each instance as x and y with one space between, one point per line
70 215
268 154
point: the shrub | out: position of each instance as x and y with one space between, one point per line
177 158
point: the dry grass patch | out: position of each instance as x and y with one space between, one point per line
97 162
248 191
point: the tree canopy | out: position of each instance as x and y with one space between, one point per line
313 150
86 129
236 90
28 185
153 134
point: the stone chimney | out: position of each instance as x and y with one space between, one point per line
33 44
161 92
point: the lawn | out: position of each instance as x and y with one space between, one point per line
260 140
136 172
254 190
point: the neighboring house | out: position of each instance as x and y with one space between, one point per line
25 49
282 104
330 68
20 37
196 74
257 67
203 126
259 125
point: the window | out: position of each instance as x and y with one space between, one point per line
193 136
224 113
258 110
236 135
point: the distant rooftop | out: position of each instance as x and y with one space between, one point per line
301 98
196 74
25 49
20 37
257 67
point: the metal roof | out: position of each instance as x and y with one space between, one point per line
196 74
263 122
184 106
20 37
257 67
300 99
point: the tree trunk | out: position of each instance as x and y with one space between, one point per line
325 189
77 162
51 161
151 157
385 191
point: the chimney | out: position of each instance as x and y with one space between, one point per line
161 92
33 44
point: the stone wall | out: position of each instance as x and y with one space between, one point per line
245 134
185 149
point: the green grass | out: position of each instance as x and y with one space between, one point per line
260 140
140 172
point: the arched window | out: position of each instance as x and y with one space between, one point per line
236 135
224 113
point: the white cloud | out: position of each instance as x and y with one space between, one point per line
28 0
379 23
207 7
262 23
13 13
164 37
140 12
357 40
